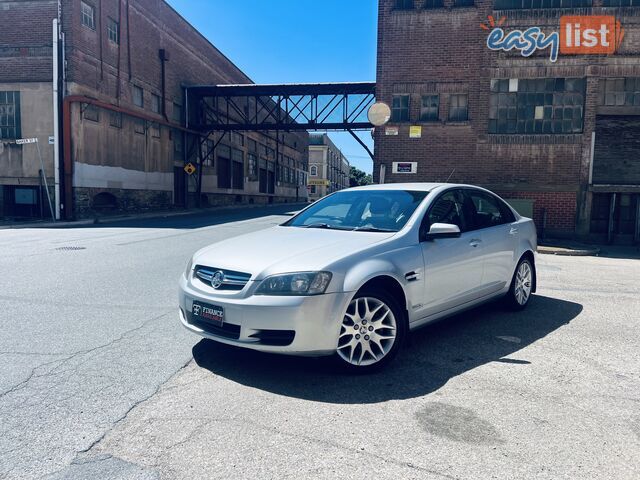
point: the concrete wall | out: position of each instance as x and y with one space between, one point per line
19 164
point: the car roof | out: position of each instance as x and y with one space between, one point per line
416 186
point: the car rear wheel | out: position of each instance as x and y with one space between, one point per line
521 285
372 330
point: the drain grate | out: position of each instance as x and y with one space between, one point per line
67 249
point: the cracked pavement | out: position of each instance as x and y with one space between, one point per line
98 379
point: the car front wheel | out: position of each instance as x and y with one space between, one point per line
372 330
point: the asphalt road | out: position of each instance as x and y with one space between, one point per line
98 379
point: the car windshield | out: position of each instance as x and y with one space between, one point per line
361 210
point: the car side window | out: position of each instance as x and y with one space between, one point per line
449 208
487 210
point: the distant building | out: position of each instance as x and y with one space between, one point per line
556 131
123 139
328 167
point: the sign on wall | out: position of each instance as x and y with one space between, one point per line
576 35
405 167
321 183
415 131
391 131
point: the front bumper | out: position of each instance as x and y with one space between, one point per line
315 320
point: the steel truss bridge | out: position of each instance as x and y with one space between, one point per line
212 109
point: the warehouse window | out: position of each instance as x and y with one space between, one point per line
207 153
139 126
429 108
155 129
91 112
88 15
177 112
253 145
9 115
400 108
433 4
237 172
621 3
314 171
115 119
534 106
531 4
224 167
237 138
113 30
138 96
620 92
177 145
156 103
252 166
458 108
404 4
463 3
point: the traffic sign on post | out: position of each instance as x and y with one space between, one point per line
189 168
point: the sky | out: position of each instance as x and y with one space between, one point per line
295 41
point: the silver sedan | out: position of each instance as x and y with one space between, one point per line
352 274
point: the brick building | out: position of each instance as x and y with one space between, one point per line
329 169
558 137
123 139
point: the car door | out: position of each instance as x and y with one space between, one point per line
494 224
452 266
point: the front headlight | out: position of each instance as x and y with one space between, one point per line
187 271
300 283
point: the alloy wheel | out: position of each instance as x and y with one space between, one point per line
522 289
368 332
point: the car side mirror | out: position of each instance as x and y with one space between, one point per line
442 230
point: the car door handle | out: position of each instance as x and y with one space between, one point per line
513 231
475 242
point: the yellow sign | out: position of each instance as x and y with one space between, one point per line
319 182
415 131
189 168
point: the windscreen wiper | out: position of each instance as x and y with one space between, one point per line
373 229
317 225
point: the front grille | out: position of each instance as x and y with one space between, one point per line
279 338
232 280
227 330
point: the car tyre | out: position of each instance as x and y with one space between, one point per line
521 288
372 331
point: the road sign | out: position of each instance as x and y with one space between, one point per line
189 168
22 141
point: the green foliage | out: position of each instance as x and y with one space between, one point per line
358 177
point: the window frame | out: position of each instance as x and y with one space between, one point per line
424 118
537 106
400 117
87 113
16 126
505 211
433 4
115 119
457 118
404 5
156 103
134 89
425 219
113 31
84 15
